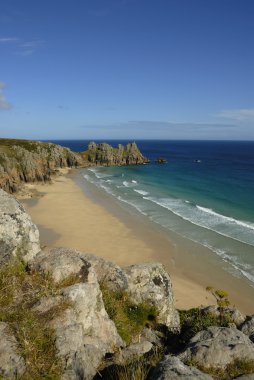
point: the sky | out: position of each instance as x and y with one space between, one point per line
127 69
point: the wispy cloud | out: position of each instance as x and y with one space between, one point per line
4 105
22 47
6 40
29 47
139 129
241 114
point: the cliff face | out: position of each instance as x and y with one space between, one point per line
29 161
105 154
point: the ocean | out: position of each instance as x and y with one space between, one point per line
204 194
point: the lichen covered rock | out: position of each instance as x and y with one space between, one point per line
12 365
248 327
218 346
63 262
151 283
18 235
171 368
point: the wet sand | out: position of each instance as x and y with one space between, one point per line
88 221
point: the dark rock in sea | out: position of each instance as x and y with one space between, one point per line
161 160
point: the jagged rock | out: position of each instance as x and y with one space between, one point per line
151 336
12 365
171 368
218 346
92 315
248 327
18 235
84 332
105 154
133 351
81 360
63 262
151 283
47 303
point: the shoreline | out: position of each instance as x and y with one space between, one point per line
72 215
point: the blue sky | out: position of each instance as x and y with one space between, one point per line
169 69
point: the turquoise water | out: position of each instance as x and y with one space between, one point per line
205 193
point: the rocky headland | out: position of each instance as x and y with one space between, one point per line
23 161
66 314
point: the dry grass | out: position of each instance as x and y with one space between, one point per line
234 369
20 290
137 368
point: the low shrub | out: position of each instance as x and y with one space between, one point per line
192 321
129 318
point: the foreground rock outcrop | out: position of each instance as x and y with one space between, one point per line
218 346
100 321
12 365
151 283
171 368
18 235
85 333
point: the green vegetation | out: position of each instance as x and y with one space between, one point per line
221 298
6 144
236 368
130 319
192 321
136 368
20 290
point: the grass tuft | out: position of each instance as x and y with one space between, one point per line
235 368
192 321
130 319
137 368
20 290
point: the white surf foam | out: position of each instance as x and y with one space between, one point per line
142 192
220 224
226 218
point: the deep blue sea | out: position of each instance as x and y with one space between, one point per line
204 193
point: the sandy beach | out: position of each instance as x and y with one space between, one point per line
67 217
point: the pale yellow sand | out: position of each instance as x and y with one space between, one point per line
80 223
